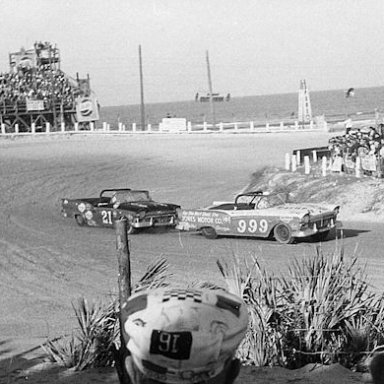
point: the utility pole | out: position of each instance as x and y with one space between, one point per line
141 92
211 93
53 97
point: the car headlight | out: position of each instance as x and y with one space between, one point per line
305 219
141 215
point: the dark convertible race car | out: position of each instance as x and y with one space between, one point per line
114 204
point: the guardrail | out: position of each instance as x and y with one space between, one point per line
120 128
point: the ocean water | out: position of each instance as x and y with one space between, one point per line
267 108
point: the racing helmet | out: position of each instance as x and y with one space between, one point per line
183 335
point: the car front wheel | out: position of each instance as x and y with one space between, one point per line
283 234
209 233
131 230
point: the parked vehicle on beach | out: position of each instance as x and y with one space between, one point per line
261 214
114 204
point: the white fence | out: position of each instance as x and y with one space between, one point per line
120 128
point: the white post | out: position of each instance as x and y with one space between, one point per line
63 127
124 128
358 167
324 166
252 126
267 126
221 127
76 126
120 126
189 127
2 128
108 127
149 128
314 153
16 128
287 161
205 126
307 166
296 124
104 126
236 126
293 163
92 126
281 125
47 127
311 124
133 127
33 128
298 160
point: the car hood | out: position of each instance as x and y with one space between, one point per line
148 206
301 209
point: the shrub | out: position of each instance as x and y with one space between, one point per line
93 344
321 312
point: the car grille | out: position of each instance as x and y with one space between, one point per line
324 223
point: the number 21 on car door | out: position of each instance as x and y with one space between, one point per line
104 217
251 226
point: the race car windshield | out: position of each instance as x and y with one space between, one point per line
262 202
130 196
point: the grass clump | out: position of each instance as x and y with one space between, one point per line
95 340
322 311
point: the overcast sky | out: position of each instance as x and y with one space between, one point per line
255 46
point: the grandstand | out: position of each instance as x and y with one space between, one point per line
35 92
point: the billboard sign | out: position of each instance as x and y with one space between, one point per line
87 109
35 105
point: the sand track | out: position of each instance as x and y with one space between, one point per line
47 261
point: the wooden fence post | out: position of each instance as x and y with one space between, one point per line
287 161
307 166
125 289
324 166
314 154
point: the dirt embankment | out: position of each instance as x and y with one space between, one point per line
359 198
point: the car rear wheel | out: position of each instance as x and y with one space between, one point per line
209 233
80 220
283 234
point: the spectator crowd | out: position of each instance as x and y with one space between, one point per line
367 144
37 83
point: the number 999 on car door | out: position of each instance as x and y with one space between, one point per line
251 226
